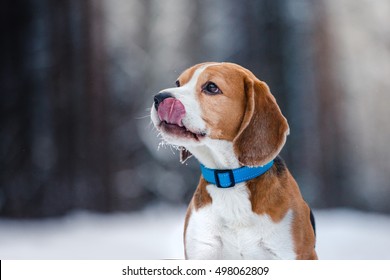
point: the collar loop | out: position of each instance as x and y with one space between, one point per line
227 178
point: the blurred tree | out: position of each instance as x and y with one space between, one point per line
54 147
77 80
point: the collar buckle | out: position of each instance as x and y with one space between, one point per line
218 179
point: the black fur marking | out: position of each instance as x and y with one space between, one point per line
313 222
280 165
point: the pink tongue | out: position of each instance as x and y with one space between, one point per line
172 111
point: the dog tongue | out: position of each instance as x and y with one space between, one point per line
172 111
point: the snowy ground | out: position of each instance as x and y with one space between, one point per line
156 233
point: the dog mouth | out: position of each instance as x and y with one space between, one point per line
180 131
171 113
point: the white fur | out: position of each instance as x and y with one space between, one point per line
192 120
228 229
214 153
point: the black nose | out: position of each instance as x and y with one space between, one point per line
158 98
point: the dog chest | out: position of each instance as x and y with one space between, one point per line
230 230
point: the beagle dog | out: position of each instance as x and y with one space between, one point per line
247 205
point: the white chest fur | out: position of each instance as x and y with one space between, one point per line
229 229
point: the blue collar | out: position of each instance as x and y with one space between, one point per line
226 178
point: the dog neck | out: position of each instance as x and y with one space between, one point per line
216 154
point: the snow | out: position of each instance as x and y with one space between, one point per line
156 233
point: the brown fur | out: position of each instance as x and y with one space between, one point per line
274 194
264 129
224 121
252 120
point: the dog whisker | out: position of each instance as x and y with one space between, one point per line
171 148
143 117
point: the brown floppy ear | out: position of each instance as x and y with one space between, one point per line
263 130
184 154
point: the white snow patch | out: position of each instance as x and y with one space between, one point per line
156 233
345 234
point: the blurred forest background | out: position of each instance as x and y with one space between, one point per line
77 80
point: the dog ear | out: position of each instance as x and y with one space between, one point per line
263 130
184 154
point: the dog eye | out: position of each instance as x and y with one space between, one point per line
211 88
177 83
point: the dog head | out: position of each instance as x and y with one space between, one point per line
221 105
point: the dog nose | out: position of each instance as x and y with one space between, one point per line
158 98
